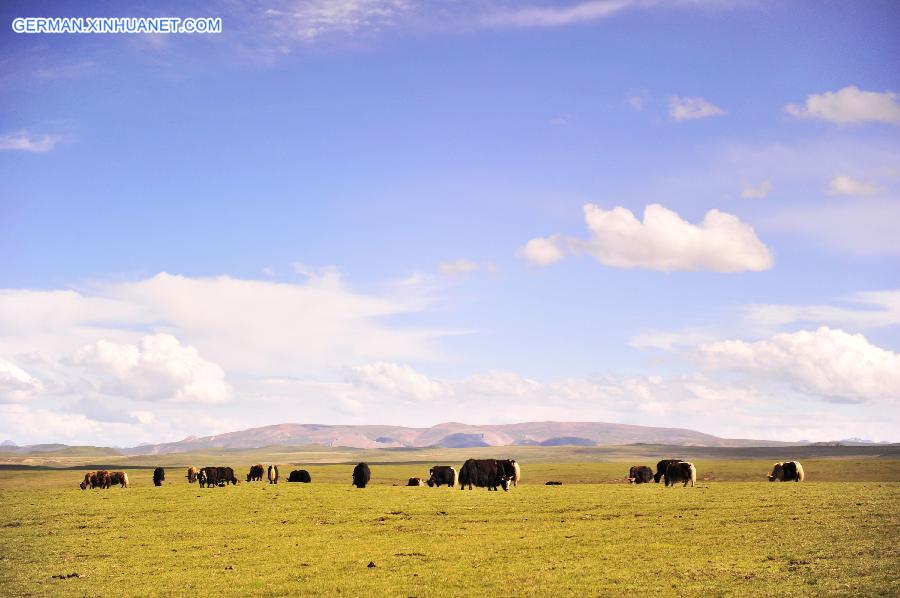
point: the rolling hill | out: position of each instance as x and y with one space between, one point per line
448 435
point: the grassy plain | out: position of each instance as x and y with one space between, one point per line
729 535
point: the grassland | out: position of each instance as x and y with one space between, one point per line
593 535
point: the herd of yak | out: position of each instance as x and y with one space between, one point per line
482 473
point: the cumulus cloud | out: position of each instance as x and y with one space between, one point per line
849 105
16 385
692 108
246 326
542 251
663 241
759 191
845 185
160 368
24 142
398 379
826 362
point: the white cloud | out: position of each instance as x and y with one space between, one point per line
666 242
505 384
325 276
845 185
457 267
636 102
23 141
16 385
826 362
159 369
45 425
248 327
542 251
849 105
398 380
692 108
759 191
695 401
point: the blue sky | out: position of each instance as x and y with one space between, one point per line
391 211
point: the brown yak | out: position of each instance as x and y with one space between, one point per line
117 477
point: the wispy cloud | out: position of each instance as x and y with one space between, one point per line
284 25
860 311
692 108
25 142
846 185
759 191
557 16
458 267
867 226
636 102
308 21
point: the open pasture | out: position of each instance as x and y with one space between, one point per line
589 536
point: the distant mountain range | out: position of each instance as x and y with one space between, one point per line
446 435
449 435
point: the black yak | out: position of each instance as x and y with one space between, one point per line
640 474
680 472
483 473
441 475
361 475
791 471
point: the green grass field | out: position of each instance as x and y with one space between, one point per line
732 534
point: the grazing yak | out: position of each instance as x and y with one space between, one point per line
483 473
159 476
661 468
791 471
117 477
95 479
361 475
553 483
680 472
273 474
256 473
192 474
640 474
441 475
216 476
512 470
415 482
299 475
